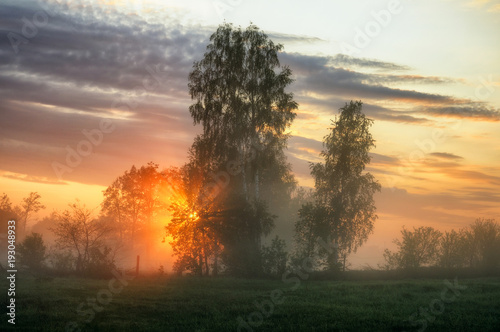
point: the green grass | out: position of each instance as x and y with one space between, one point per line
199 304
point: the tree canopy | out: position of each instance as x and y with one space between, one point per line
133 201
239 97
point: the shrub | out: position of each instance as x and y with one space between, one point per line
274 258
32 252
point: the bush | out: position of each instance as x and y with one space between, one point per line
100 264
32 252
417 248
274 258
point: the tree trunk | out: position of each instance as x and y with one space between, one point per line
257 184
244 174
334 257
207 270
216 263
200 265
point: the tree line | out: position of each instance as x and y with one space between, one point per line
474 246
87 241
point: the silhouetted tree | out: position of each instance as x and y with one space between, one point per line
77 231
240 100
30 205
483 243
453 249
417 248
5 203
7 212
194 224
133 202
344 209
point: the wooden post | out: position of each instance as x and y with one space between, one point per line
137 266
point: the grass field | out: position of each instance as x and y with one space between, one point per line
223 304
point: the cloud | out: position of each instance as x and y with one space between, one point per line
385 114
480 194
288 38
341 60
300 166
441 209
448 166
329 105
383 160
301 152
104 55
336 81
473 112
96 63
473 175
80 68
445 155
30 178
317 75
411 79
303 64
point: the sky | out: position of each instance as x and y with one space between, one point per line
90 88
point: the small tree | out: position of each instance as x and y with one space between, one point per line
6 210
32 252
30 205
274 257
311 223
417 248
452 251
133 202
84 236
6 213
